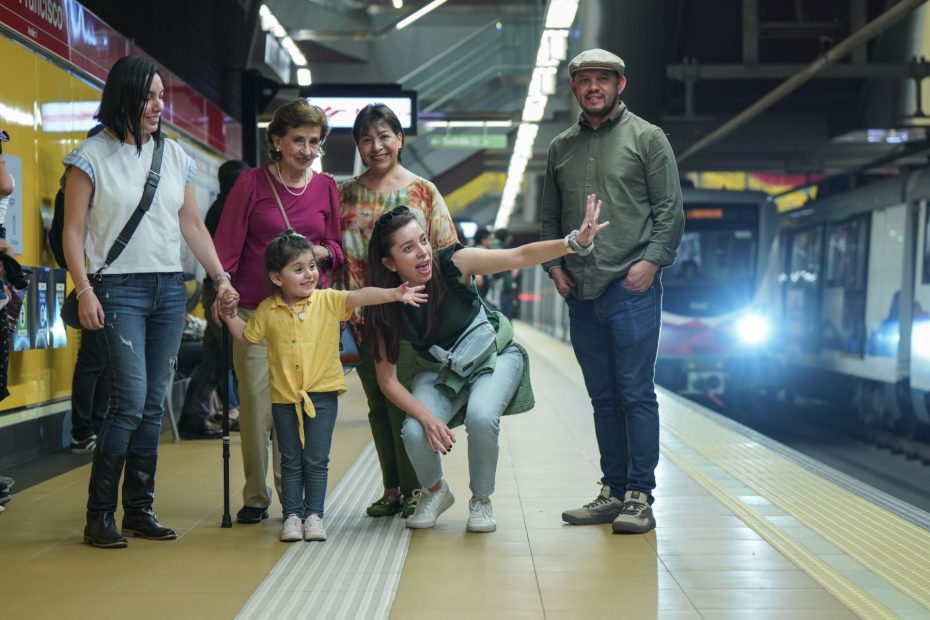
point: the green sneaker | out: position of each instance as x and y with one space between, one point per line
384 507
410 505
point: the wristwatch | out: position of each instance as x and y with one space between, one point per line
220 275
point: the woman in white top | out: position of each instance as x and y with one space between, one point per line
138 301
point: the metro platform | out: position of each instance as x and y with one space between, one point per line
746 528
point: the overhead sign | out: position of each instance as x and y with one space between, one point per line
343 110
495 142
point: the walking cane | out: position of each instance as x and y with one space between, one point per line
227 518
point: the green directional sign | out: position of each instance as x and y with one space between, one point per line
468 141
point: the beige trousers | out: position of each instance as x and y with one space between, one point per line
256 428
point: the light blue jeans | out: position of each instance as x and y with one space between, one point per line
484 402
142 334
305 469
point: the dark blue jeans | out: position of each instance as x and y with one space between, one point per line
305 469
616 338
144 319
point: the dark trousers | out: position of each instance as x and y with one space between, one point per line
616 338
90 386
207 376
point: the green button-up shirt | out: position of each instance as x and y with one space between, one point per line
628 163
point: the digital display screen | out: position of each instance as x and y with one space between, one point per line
342 110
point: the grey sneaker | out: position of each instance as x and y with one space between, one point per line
603 509
636 516
313 528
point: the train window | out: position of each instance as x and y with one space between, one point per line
843 317
926 274
802 288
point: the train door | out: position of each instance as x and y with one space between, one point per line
844 288
920 332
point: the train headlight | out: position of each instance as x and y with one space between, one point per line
753 329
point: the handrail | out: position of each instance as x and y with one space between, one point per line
435 59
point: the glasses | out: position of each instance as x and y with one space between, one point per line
385 219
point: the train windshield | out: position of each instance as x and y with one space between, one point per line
715 272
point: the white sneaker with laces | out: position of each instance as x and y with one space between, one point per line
480 517
291 531
430 506
313 528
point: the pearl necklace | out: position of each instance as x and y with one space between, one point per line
277 165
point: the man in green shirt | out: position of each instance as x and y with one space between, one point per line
614 295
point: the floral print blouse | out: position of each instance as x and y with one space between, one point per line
361 207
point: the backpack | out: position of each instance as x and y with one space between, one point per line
56 232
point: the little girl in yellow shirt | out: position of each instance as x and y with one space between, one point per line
301 326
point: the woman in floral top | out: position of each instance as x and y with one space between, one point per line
385 185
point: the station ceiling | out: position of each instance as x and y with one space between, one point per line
691 65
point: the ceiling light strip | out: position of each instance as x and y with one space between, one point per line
553 49
435 4
271 24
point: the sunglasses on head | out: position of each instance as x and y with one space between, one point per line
385 219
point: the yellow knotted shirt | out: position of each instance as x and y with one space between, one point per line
303 347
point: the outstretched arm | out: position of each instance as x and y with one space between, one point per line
373 296
471 261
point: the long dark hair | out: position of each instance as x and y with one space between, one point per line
375 113
385 320
124 97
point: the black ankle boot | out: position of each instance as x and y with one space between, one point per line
138 495
100 530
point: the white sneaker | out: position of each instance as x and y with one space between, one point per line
481 517
291 530
313 528
430 506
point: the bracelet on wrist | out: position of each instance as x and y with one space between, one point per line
83 290
572 245
220 275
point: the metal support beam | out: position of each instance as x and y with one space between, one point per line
873 28
857 17
750 32
692 71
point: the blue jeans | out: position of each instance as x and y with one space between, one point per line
142 334
485 401
616 338
305 469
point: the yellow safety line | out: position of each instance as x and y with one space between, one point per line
892 548
887 545
832 581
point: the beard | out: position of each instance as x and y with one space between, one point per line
610 104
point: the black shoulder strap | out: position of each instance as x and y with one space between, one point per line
148 194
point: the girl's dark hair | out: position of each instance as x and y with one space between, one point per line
385 320
371 115
292 115
283 249
124 98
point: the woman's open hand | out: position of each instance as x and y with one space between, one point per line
589 226
412 295
438 435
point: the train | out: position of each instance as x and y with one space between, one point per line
715 339
829 302
850 292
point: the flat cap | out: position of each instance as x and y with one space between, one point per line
596 59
